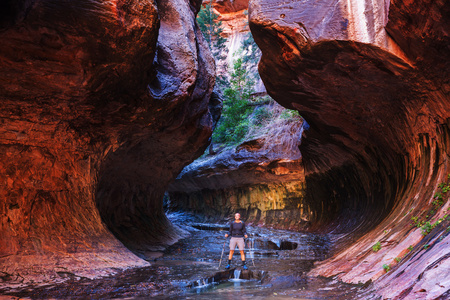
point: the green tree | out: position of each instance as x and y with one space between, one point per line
212 31
234 123
252 52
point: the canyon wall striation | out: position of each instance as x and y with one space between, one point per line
98 114
372 80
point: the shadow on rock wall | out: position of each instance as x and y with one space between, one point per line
376 99
98 114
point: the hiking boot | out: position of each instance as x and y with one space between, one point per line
245 267
228 266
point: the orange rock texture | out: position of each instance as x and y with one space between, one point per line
98 114
372 81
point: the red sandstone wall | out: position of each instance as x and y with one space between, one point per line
98 114
376 100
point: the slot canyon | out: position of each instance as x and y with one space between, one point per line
107 109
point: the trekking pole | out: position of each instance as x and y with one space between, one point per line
251 252
223 248
252 242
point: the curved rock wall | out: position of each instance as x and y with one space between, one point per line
98 114
377 146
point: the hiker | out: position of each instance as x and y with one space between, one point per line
237 233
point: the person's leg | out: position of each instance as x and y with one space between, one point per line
231 255
242 255
241 245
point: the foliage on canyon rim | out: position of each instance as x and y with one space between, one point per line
243 112
212 31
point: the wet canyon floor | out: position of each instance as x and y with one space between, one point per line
278 262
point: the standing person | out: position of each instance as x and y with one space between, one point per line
237 233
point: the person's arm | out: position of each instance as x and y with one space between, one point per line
229 231
244 230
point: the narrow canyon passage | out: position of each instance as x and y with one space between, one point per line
104 105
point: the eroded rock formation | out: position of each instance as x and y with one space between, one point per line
262 178
371 79
102 104
229 6
233 17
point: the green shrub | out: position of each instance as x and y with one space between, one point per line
288 114
261 116
426 228
386 268
376 247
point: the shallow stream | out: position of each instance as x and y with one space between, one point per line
278 262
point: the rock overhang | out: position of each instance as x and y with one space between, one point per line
84 141
376 105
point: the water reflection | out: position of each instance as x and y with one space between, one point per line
189 269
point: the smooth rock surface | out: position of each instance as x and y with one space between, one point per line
376 99
102 104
